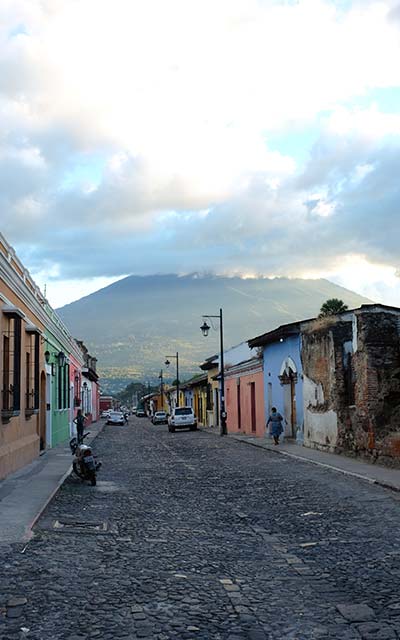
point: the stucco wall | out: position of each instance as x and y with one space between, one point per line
320 428
235 355
274 356
231 390
19 436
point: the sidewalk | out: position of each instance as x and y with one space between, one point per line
383 476
26 493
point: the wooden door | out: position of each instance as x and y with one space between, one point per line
253 406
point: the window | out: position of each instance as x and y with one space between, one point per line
11 343
32 369
6 372
348 374
183 411
28 381
67 394
209 398
60 382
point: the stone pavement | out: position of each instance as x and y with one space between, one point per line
370 472
25 493
188 536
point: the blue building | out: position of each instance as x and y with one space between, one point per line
283 375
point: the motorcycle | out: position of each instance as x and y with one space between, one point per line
84 464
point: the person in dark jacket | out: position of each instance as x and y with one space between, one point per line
275 419
80 423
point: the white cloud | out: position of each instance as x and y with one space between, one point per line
176 102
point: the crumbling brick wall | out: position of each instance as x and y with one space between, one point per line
327 365
360 389
377 393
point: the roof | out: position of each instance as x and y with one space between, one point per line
284 331
201 378
210 363
293 328
244 366
367 307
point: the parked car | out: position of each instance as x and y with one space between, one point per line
105 414
116 417
140 413
181 418
160 417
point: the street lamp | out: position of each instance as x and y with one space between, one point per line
205 328
167 363
161 389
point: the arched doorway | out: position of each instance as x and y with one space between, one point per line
288 379
43 412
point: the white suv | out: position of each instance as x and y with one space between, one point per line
181 418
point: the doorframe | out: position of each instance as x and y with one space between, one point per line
49 410
253 415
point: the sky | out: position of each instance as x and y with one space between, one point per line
251 137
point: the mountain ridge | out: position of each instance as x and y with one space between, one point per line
131 324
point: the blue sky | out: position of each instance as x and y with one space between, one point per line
235 137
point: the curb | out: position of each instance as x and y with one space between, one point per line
28 532
319 464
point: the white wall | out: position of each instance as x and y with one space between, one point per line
318 426
239 353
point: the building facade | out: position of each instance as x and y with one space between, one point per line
351 366
37 355
244 394
283 376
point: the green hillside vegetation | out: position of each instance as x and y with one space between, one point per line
133 324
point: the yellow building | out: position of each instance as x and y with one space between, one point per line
211 366
195 396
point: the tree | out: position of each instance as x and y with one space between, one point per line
332 306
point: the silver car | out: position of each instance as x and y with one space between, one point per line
116 417
160 417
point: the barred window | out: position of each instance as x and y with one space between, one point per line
11 344
32 369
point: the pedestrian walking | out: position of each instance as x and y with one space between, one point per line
80 423
275 419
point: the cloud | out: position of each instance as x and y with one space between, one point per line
141 137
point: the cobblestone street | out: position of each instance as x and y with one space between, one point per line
189 535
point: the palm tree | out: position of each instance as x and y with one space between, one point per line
332 306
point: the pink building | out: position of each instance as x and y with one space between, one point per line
75 372
244 397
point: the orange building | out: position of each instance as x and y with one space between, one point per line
22 364
39 365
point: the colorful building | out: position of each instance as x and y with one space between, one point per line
211 366
22 367
39 364
283 375
244 397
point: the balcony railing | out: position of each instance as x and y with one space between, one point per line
31 402
10 402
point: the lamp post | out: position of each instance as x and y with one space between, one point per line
205 328
161 389
167 363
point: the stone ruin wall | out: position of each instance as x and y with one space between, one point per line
326 385
356 406
376 427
